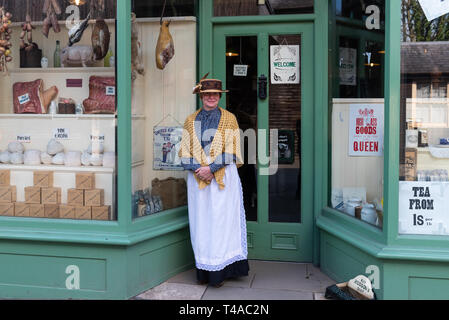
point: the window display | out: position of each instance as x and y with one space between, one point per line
57 109
357 110
424 126
164 72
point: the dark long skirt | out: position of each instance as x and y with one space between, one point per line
234 270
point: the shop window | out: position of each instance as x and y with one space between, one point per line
424 121
163 77
261 7
58 110
171 8
357 109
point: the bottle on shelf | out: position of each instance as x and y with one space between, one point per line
57 55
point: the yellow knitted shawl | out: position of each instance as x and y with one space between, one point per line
226 139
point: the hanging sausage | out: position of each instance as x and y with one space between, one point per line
5 37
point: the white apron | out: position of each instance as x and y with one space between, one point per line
217 221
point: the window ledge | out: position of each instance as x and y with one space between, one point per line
339 227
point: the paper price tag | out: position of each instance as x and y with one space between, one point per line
61 133
23 138
110 91
97 138
24 98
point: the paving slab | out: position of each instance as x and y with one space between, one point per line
173 291
230 293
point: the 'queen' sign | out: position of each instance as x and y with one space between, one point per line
366 130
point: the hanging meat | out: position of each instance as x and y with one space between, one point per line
100 39
165 49
137 65
5 37
27 32
51 9
77 31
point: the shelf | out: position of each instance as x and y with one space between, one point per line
64 70
60 22
59 116
56 168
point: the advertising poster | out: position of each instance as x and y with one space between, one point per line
366 130
285 64
423 207
348 67
166 144
434 8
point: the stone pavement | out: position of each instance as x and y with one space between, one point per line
266 281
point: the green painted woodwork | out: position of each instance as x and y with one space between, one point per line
278 241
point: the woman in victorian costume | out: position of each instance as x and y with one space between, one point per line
210 151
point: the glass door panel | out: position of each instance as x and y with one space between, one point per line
285 117
241 80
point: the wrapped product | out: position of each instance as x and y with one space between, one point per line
109 159
58 159
5 157
16 147
96 159
46 158
85 159
54 147
96 147
32 157
16 158
72 159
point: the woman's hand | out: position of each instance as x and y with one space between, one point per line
204 174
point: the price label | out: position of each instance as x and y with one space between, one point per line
110 91
97 138
24 138
61 133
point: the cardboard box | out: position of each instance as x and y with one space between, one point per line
75 197
37 211
8 194
66 211
94 198
101 213
7 209
51 195
43 179
85 181
5 178
83 213
21 209
51 211
33 195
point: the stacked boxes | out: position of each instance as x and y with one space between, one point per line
8 194
87 200
43 200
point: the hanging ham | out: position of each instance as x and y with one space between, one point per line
165 49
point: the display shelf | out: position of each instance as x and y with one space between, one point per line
63 70
58 116
56 168
60 22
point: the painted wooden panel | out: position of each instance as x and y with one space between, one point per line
351 172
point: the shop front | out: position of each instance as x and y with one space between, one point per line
343 112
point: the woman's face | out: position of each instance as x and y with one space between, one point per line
210 100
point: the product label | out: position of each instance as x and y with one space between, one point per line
25 138
61 133
24 98
97 138
110 91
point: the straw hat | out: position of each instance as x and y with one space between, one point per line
208 85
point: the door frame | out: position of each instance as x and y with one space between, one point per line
320 21
274 240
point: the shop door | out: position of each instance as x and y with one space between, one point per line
278 204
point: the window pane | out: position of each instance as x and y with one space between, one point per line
57 112
261 7
357 109
424 157
161 100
